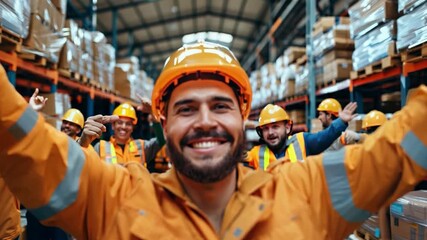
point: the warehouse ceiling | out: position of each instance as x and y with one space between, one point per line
152 29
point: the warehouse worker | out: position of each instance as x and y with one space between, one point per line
373 120
202 98
72 123
328 112
274 130
10 216
122 148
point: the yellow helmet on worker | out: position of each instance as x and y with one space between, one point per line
75 116
126 110
373 119
330 105
271 114
197 61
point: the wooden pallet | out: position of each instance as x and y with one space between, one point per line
415 54
9 41
379 66
364 235
69 74
328 83
38 60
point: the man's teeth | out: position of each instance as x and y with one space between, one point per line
205 144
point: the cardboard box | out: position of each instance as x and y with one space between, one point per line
57 104
61 5
325 23
355 125
335 54
404 229
291 54
70 57
412 206
297 116
316 125
339 69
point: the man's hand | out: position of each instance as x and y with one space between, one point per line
347 113
94 127
145 106
37 102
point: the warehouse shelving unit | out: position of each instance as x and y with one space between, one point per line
49 81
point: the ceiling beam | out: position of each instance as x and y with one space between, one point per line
124 5
183 17
168 38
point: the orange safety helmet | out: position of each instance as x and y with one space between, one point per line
126 110
271 114
373 119
191 62
330 105
75 116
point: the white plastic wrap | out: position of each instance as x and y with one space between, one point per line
15 16
373 46
408 5
412 28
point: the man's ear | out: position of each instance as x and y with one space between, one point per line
288 127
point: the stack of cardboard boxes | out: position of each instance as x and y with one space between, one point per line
45 37
15 16
412 30
56 106
409 216
373 29
332 49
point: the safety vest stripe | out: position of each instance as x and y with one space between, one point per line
415 149
339 187
110 153
266 158
25 124
66 192
291 153
140 150
261 156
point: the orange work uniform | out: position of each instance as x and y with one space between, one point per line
10 217
321 198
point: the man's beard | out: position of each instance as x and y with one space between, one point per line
209 174
277 146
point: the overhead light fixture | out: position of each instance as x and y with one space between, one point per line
216 37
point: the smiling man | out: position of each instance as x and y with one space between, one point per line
202 98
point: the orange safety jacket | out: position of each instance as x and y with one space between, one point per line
260 157
10 217
325 197
111 152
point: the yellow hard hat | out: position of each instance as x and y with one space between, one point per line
126 110
198 61
271 114
330 105
373 118
75 116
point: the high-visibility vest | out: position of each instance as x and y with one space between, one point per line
294 152
133 151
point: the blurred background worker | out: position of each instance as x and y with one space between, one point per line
329 111
72 123
274 130
122 148
373 120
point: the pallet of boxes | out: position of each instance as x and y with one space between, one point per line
14 22
295 62
286 71
255 80
332 50
56 106
129 80
45 37
373 29
409 217
412 30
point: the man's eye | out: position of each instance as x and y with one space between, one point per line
221 106
185 110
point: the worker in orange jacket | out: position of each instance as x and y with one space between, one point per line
329 110
202 98
274 129
10 216
122 148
